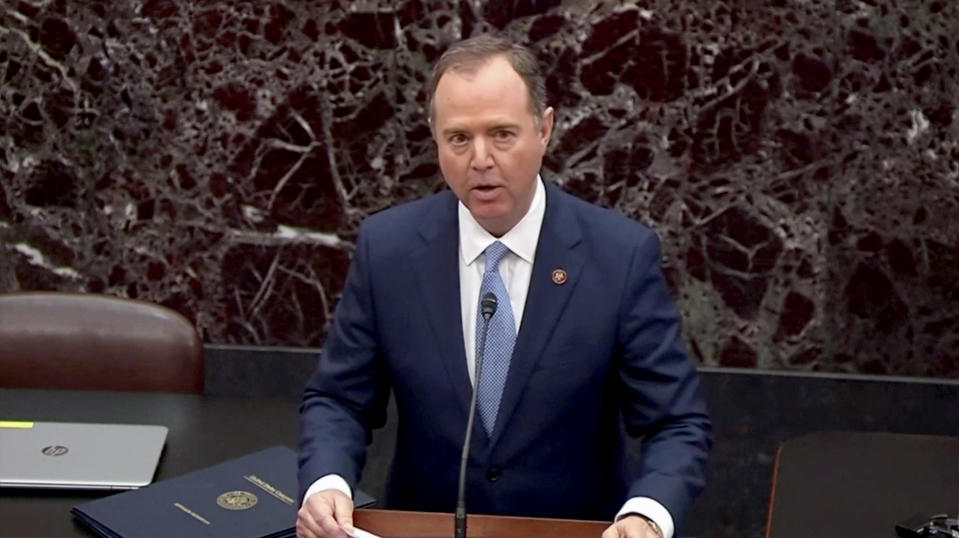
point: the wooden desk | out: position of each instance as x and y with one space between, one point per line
203 431
843 484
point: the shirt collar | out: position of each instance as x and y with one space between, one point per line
521 239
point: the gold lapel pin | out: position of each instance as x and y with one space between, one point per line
559 276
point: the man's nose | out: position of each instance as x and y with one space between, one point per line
482 157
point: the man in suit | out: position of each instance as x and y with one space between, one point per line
585 338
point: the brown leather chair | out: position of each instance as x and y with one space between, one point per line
87 341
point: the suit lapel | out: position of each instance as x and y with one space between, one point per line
545 300
437 270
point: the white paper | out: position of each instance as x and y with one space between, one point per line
360 533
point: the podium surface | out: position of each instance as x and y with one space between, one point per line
400 524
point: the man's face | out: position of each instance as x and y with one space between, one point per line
490 146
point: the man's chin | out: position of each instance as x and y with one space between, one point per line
494 223
486 211
486 208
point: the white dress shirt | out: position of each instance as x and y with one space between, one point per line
515 269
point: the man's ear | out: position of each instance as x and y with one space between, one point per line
546 127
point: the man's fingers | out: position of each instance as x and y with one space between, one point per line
305 526
343 511
314 511
319 515
325 520
630 527
610 532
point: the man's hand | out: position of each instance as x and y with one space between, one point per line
631 526
325 514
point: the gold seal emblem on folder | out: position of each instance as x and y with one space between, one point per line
236 500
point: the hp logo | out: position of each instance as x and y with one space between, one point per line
54 450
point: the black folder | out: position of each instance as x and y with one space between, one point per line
253 496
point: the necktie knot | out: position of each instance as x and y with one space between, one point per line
495 254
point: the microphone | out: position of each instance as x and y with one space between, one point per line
487 309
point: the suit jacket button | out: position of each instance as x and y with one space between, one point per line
493 474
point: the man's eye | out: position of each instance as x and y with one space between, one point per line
457 140
503 135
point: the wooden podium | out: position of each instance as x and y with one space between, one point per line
400 524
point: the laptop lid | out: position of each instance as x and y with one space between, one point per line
74 455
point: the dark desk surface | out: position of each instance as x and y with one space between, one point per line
850 484
203 431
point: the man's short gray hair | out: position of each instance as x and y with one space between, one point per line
468 55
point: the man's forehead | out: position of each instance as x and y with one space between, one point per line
469 66
471 69
481 95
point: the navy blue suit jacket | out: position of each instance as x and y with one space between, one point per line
597 352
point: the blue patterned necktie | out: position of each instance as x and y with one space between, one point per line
499 339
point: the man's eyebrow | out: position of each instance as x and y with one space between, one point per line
503 125
492 127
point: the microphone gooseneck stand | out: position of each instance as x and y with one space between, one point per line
488 306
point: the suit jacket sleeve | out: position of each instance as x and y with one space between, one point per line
662 402
346 395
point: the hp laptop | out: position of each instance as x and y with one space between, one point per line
79 455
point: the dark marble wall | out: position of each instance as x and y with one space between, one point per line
798 158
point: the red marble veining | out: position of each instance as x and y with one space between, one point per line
799 159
